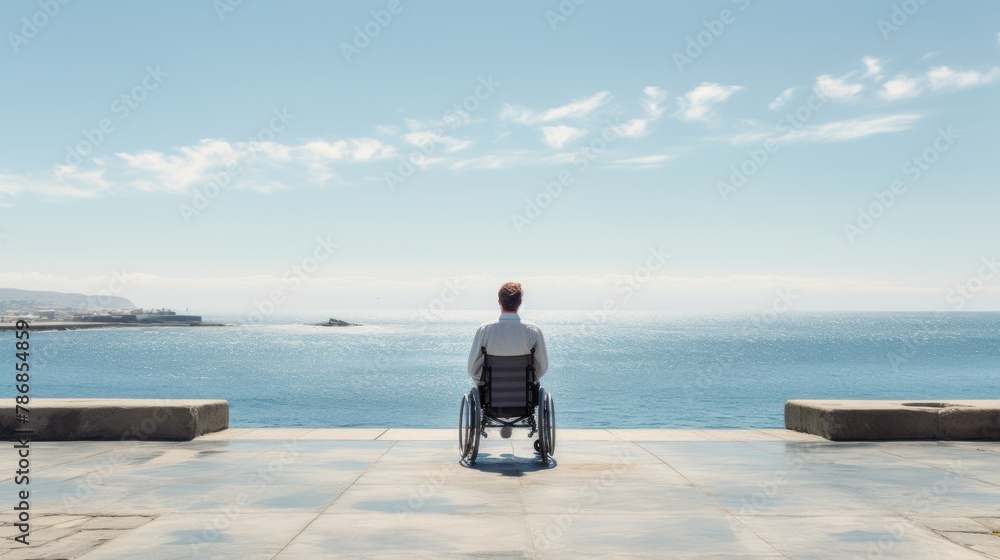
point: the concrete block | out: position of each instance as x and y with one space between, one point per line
117 419
895 420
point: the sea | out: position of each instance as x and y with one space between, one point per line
622 369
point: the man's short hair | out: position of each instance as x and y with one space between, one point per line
510 296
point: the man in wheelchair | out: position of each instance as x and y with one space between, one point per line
507 359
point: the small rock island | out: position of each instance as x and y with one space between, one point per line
336 323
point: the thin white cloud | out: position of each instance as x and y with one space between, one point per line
64 182
783 98
643 162
76 183
837 89
518 114
651 98
938 78
448 121
430 138
633 128
576 109
386 129
11 185
900 87
853 129
943 77
320 156
422 161
873 67
185 169
559 136
272 151
651 102
698 104
493 161
177 172
355 150
563 158
837 131
485 162
368 149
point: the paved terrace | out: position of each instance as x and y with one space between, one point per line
297 493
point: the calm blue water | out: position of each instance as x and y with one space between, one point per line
627 370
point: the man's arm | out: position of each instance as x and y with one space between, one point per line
476 356
541 355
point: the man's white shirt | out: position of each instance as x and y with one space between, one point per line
508 336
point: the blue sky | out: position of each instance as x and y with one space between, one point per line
312 123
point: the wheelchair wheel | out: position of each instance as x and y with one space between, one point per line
469 426
546 444
549 413
542 444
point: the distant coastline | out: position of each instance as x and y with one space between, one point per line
61 311
37 325
70 301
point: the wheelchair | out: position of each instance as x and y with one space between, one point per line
509 397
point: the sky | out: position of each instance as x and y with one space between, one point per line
725 155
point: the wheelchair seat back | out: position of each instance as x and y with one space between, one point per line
509 387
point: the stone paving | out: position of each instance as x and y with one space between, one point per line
369 493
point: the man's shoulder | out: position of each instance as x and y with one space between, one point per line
531 326
526 324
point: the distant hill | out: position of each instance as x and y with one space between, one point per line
26 299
